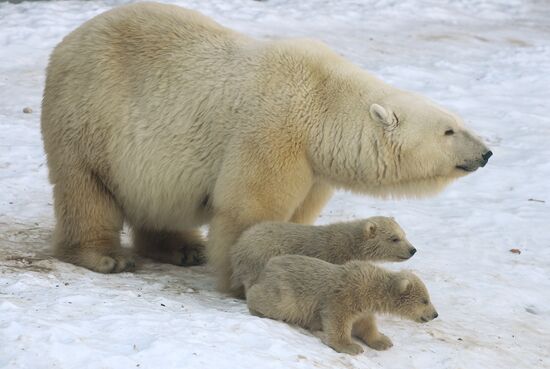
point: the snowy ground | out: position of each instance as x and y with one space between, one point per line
487 60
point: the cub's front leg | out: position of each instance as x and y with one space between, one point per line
365 328
337 325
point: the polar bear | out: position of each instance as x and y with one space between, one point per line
339 299
157 116
373 239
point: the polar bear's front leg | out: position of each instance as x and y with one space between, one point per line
226 227
316 199
223 232
258 183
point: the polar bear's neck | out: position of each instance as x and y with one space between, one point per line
347 147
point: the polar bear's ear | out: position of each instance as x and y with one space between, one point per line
385 117
370 230
403 286
380 114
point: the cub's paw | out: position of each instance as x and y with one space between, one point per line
256 313
348 348
381 342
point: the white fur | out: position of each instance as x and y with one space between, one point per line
183 122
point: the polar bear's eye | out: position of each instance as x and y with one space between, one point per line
395 239
449 132
425 302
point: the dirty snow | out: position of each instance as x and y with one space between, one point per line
487 60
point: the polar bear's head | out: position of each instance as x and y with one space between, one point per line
427 146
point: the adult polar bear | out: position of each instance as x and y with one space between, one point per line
158 116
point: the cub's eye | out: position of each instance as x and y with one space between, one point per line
449 132
425 302
395 239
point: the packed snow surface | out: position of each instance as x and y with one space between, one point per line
487 60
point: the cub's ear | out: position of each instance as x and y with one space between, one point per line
382 116
370 230
402 286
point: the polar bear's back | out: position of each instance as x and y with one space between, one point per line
133 51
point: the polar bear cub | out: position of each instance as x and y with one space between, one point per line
374 239
339 299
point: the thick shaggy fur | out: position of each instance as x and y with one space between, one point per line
158 116
372 239
339 299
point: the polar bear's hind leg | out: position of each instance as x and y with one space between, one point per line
88 223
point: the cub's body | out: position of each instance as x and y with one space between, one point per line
339 299
373 239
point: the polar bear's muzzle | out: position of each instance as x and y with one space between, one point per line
473 165
486 157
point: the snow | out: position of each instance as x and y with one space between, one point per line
487 60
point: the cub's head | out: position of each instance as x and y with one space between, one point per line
427 146
411 299
384 240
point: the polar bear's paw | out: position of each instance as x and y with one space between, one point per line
115 261
190 255
178 248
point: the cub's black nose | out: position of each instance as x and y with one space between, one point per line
412 251
436 315
486 157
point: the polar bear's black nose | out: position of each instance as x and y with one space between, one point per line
412 251
486 157
436 315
